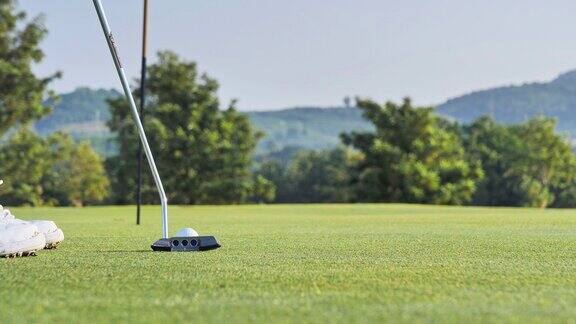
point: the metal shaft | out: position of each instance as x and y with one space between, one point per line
128 93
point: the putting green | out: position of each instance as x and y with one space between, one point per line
315 263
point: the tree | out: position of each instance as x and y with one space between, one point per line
24 159
76 175
499 150
410 157
524 165
263 190
275 171
312 176
52 171
320 177
21 92
549 165
203 153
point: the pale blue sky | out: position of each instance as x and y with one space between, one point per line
276 53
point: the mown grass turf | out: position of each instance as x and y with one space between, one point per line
320 263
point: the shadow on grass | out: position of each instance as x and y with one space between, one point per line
127 251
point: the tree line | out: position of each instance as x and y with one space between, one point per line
205 150
416 156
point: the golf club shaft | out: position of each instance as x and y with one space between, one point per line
128 93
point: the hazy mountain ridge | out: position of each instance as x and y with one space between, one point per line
514 104
308 127
84 113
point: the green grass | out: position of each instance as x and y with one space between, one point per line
320 263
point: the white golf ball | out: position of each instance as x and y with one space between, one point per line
187 232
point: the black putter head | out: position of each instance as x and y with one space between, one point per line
186 244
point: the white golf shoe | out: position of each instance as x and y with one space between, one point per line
52 234
20 240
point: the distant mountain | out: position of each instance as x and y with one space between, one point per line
84 113
514 104
306 127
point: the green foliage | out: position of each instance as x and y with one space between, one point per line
263 190
203 153
312 176
51 171
525 165
283 156
24 161
21 92
410 157
275 172
320 177
496 148
550 162
77 176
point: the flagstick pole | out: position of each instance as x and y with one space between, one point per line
142 106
